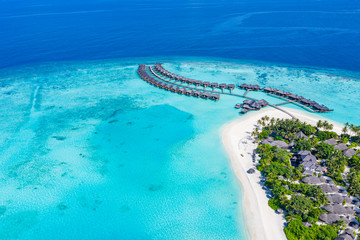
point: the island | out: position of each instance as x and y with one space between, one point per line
300 176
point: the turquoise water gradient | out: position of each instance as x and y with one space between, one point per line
90 151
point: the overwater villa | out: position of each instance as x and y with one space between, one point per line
160 77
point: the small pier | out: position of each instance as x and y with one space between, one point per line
158 76
290 101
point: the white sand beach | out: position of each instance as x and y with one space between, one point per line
261 221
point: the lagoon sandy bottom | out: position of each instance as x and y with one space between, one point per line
261 221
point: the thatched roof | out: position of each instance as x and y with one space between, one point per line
310 165
341 146
338 209
331 141
311 180
301 135
263 102
268 89
329 217
327 188
309 157
244 110
279 144
304 153
344 237
349 152
248 101
335 198
308 173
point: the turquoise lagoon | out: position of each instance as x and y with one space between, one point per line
90 151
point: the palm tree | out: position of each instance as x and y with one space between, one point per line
357 130
352 129
319 124
345 129
329 126
272 121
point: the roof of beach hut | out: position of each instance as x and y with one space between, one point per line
311 180
328 188
280 144
301 135
335 198
349 152
331 141
304 153
341 146
338 209
308 158
329 217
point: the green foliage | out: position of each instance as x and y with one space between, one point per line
275 169
324 135
344 139
307 129
263 135
353 145
299 205
353 179
300 145
297 231
354 162
336 176
270 154
324 150
313 215
274 203
355 139
282 156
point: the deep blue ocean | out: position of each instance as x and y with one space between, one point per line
322 33
88 150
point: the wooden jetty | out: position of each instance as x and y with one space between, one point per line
158 76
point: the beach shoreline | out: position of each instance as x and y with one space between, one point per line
261 221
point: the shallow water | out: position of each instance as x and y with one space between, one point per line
90 151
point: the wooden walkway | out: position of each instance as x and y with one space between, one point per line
290 101
294 102
246 92
212 91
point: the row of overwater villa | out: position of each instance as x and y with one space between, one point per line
158 76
